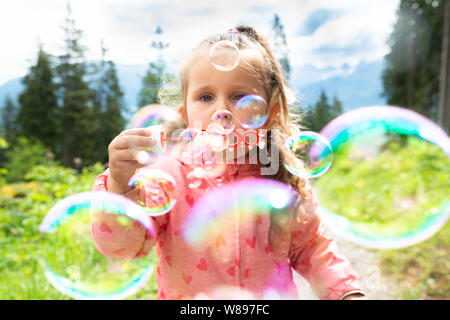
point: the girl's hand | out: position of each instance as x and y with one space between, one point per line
122 157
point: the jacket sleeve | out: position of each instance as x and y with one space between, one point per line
116 239
316 257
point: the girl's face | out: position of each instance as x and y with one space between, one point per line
210 90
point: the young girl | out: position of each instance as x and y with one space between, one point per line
241 256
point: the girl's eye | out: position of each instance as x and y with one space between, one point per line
206 98
239 96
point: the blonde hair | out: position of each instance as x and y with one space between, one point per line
275 84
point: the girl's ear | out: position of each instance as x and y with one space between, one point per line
273 114
182 113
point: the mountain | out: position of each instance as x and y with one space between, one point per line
11 88
355 87
129 78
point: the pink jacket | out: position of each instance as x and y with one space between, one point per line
239 256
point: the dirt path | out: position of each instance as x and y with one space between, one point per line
365 263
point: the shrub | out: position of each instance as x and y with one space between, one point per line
24 155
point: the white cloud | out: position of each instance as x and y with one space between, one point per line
370 24
127 26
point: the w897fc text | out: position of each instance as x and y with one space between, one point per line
246 309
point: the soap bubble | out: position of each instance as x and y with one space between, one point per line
195 146
313 149
195 178
159 188
169 93
151 115
388 186
215 137
251 111
250 197
225 119
191 144
224 55
74 266
144 157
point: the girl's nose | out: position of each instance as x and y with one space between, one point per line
223 104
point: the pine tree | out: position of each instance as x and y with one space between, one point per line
411 78
107 106
319 115
280 46
9 121
151 82
37 115
77 117
336 108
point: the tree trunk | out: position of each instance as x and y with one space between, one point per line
444 86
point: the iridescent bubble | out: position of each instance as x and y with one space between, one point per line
195 178
169 93
144 157
388 186
312 149
159 188
249 197
216 138
191 144
251 111
151 115
224 55
74 266
149 155
225 119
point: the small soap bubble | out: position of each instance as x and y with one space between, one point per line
195 178
251 111
159 188
191 145
224 55
313 149
225 119
215 138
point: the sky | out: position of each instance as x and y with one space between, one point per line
319 33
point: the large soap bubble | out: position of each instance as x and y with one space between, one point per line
249 198
389 186
74 266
